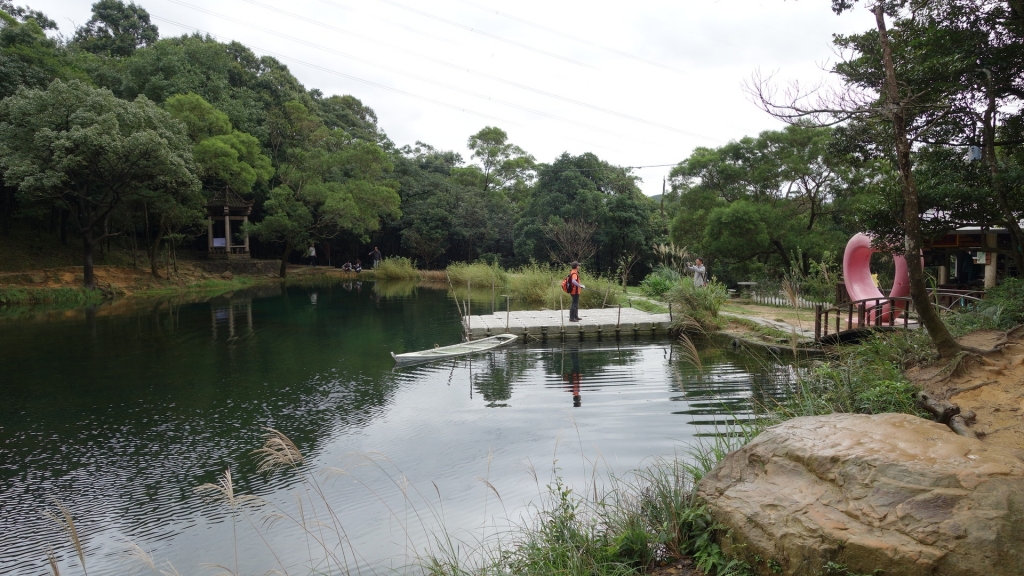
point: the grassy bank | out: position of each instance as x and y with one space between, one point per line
22 296
534 285
210 287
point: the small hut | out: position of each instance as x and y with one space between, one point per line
226 213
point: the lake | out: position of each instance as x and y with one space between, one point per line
120 412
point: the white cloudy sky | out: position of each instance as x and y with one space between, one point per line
558 76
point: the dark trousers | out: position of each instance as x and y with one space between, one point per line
574 308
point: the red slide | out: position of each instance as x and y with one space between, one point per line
860 286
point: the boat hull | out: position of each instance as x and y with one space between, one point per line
453 351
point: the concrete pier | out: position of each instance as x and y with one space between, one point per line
554 324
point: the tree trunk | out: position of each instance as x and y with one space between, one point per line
88 279
284 259
992 162
154 251
785 257
64 217
941 338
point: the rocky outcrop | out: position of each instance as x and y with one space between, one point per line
888 492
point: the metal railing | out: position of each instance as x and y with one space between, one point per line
883 312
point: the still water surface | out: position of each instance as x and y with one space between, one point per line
122 413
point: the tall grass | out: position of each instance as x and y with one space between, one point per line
635 520
19 296
697 307
480 274
866 379
536 285
396 268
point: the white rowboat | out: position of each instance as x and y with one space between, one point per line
442 352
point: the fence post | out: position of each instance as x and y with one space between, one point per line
861 315
817 321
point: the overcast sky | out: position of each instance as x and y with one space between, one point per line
638 83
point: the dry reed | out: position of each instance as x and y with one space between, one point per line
66 522
689 352
278 452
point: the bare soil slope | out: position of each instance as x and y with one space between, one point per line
993 387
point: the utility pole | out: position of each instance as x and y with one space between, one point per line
662 195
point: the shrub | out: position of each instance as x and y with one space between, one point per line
697 306
396 268
659 282
479 274
600 292
534 284
1005 303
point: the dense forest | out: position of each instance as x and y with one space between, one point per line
115 138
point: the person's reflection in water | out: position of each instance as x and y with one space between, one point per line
575 378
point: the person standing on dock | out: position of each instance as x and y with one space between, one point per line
574 290
700 274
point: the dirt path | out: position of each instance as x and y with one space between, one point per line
992 387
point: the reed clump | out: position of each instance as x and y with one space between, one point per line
396 268
697 307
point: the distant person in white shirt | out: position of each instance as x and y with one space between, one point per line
312 256
700 275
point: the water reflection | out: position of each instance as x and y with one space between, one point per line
235 312
575 377
122 412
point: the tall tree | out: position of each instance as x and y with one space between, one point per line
329 183
915 79
116 29
88 152
502 162
783 187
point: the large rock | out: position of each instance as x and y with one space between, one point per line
890 491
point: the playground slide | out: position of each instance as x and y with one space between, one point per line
860 286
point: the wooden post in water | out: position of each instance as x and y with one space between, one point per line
492 295
561 315
508 311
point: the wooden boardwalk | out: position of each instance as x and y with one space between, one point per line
554 324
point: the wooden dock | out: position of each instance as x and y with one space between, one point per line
554 324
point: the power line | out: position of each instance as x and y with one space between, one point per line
443 63
530 88
397 71
482 33
372 83
575 38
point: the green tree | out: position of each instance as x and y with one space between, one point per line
588 190
503 163
227 161
116 29
27 57
785 188
88 152
930 75
329 183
